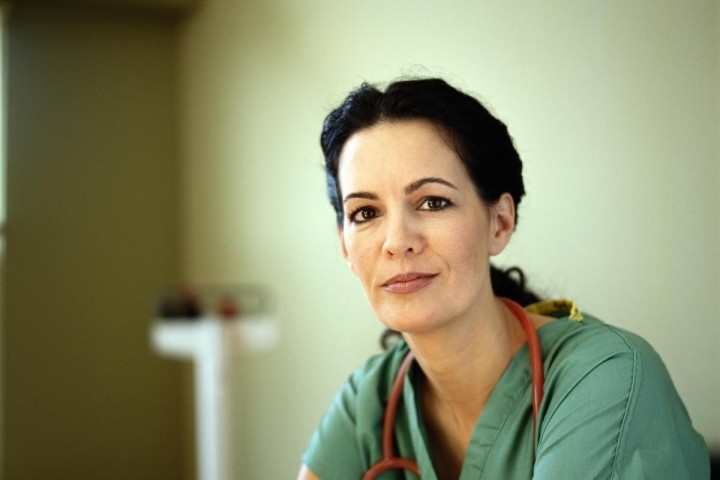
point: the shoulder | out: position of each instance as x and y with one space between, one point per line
609 391
587 361
365 392
575 342
346 437
575 348
615 361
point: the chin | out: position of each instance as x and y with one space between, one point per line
408 323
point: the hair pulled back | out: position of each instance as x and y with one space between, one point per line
480 140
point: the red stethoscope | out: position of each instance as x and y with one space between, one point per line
390 461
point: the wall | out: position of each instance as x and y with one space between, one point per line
3 110
92 232
614 107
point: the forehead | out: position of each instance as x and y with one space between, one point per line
400 151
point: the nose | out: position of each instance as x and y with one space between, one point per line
403 236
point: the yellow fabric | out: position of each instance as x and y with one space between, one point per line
556 306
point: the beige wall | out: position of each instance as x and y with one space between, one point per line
92 232
614 106
615 109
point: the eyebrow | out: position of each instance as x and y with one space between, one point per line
408 190
423 181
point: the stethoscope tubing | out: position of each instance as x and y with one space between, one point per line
390 461
537 376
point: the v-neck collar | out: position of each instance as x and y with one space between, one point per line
512 389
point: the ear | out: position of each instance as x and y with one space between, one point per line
502 223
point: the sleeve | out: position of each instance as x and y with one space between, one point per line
622 419
333 453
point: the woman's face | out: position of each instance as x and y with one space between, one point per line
415 231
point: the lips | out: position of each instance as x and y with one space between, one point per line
408 282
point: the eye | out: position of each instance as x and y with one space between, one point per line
362 214
435 203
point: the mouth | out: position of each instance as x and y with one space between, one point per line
408 282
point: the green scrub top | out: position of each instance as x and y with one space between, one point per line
610 410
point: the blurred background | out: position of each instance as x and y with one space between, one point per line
150 142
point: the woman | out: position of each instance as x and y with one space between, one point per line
426 183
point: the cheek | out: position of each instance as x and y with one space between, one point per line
357 256
468 248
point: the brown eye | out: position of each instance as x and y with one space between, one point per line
435 203
362 215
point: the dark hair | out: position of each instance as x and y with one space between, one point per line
481 141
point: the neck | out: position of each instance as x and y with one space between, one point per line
462 364
474 352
